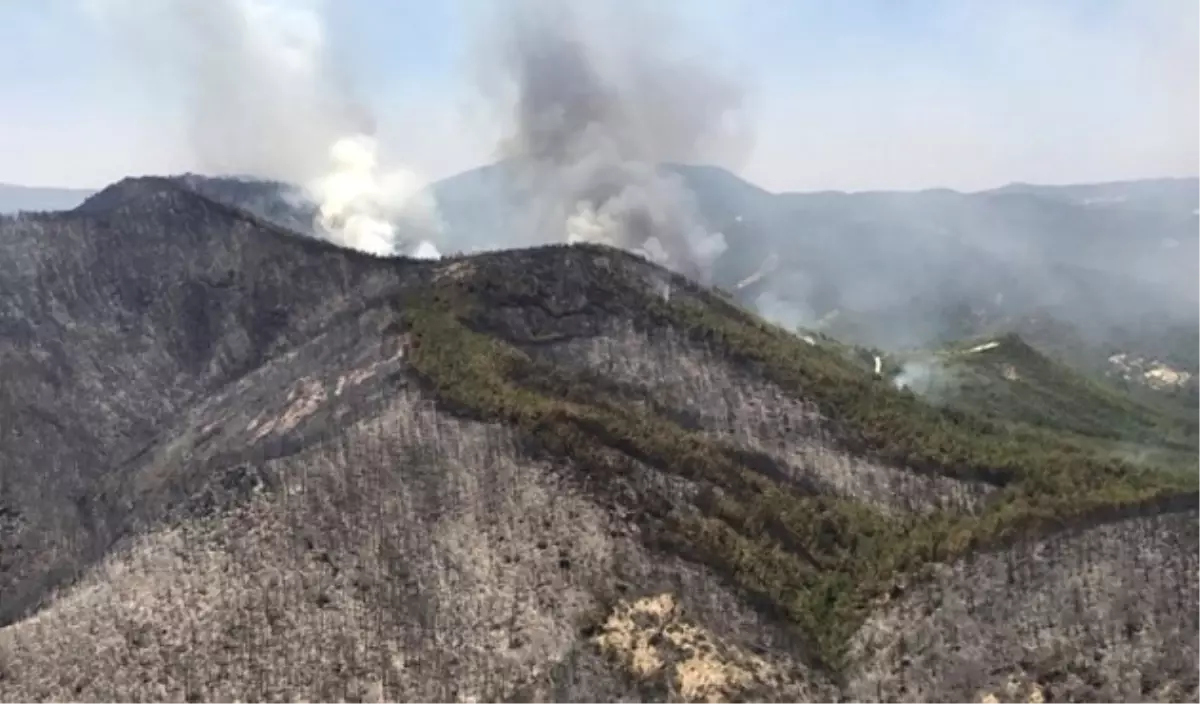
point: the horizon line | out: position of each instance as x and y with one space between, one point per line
865 191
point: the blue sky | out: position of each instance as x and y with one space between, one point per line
846 94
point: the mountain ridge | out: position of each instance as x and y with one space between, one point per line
499 475
999 253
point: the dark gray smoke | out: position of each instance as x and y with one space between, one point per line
595 99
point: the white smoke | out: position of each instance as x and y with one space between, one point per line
263 98
769 265
359 204
426 250
787 314
918 376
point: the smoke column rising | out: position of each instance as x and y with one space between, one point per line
361 204
263 99
594 101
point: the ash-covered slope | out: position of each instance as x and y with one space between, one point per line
244 464
275 202
115 319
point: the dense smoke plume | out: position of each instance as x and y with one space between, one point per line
362 205
264 99
594 101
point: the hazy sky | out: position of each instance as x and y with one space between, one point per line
841 94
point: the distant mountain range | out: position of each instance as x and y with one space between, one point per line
888 269
897 268
17 198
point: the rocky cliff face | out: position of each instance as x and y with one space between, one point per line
245 465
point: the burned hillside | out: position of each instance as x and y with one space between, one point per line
241 463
